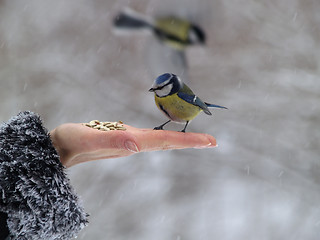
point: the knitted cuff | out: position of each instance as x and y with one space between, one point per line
34 190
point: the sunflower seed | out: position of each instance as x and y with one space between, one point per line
105 126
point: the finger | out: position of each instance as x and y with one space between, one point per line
151 140
136 140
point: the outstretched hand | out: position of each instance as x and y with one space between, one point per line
77 143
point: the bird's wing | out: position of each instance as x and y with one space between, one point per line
193 99
214 105
130 19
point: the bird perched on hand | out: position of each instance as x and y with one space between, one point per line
177 101
176 32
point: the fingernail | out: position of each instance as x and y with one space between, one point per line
131 146
213 146
209 145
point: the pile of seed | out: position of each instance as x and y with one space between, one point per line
105 126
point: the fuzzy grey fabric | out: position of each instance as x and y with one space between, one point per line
34 190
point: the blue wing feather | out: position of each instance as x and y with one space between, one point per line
194 100
187 95
214 105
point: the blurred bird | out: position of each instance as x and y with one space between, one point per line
177 101
176 32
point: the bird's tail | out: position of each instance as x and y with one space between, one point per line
129 19
214 105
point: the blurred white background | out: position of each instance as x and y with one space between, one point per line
63 60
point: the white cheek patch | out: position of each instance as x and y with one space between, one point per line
193 36
164 91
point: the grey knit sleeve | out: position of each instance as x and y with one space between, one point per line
34 190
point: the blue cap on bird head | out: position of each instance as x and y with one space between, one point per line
167 78
164 78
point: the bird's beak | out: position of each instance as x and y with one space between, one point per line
151 90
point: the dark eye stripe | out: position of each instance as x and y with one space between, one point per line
160 87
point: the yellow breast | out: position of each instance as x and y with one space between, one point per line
177 109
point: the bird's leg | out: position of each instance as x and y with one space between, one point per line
184 129
161 126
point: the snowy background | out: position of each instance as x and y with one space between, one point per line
63 60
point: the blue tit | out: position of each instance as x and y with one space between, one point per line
177 101
176 32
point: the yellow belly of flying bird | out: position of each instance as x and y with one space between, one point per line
177 109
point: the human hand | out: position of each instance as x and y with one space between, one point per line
77 143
